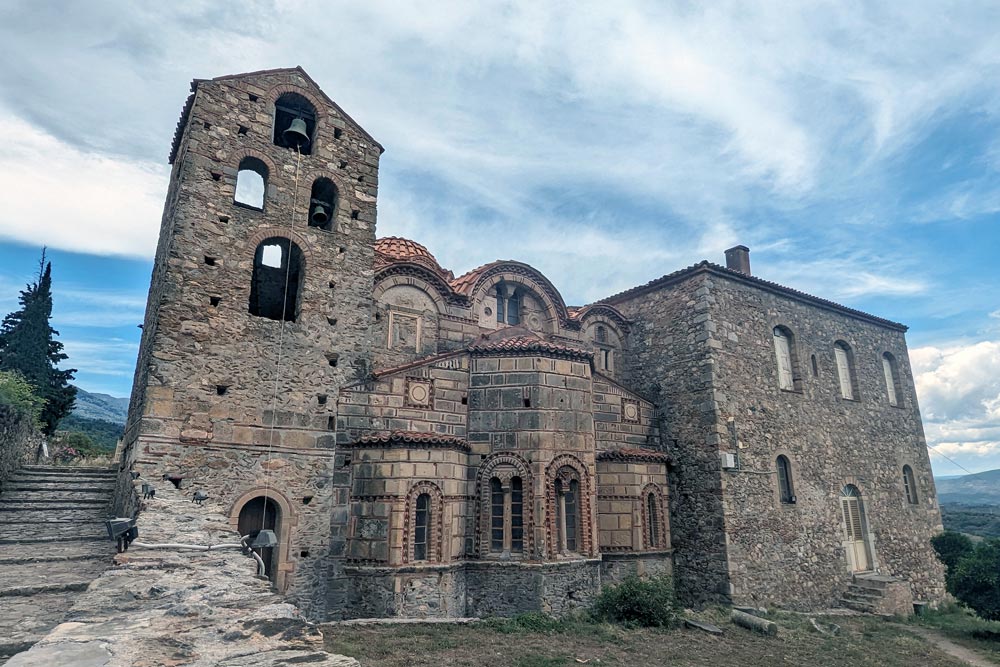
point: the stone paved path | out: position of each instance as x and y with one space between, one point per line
52 544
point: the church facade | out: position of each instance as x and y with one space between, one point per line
426 444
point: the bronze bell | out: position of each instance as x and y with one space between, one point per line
295 134
319 215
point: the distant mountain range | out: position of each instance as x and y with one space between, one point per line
101 406
982 488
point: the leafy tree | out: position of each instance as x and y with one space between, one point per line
28 346
951 547
19 396
976 580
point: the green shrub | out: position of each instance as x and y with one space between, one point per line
951 547
18 395
638 602
975 580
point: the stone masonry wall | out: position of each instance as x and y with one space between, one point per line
793 554
19 441
668 360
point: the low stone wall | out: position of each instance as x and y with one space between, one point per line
172 607
19 442
506 589
615 567
431 591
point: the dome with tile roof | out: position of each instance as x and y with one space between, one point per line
393 249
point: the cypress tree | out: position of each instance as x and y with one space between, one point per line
28 345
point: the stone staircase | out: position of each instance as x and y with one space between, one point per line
878 594
52 544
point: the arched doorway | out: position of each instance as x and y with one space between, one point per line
258 514
855 529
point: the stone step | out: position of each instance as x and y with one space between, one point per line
18 530
865 598
58 496
13 554
28 515
69 470
878 581
32 578
56 539
62 485
100 474
858 606
11 504
25 620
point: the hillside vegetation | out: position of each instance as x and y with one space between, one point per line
978 489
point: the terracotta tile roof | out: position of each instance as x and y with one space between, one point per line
465 282
528 345
393 249
706 266
629 454
398 438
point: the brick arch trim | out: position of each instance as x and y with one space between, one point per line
661 515
385 281
553 472
237 156
521 469
435 531
292 235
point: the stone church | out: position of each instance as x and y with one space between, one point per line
426 444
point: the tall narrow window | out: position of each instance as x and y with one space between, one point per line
572 515
891 372
276 280
516 515
652 522
606 359
845 373
251 183
514 308
783 353
785 490
421 524
496 515
501 302
910 485
602 335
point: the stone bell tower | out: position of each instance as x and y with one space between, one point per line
259 310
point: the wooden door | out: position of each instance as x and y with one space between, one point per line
258 514
855 544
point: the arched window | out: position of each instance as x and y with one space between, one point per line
601 335
508 304
421 526
516 515
501 302
845 370
323 204
910 485
891 371
652 521
287 109
497 528
785 489
568 514
784 352
251 183
277 280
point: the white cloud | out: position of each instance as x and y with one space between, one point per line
959 391
73 200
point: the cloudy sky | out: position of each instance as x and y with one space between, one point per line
853 146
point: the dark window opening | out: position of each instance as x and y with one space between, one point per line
652 522
174 479
216 175
322 204
354 214
303 554
514 309
209 260
251 183
572 515
465 400
243 130
207 125
321 399
277 280
601 335
785 489
527 402
496 515
221 389
342 250
289 108
253 98
361 178
815 366
501 301
516 515
337 132
910 485
306 500
421 524
331 423
333 359
332 321
215 301
223 218
343 164
333 285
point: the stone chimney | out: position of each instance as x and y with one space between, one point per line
738 259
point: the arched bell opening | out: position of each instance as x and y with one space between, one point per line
323 204
294 122
262 513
